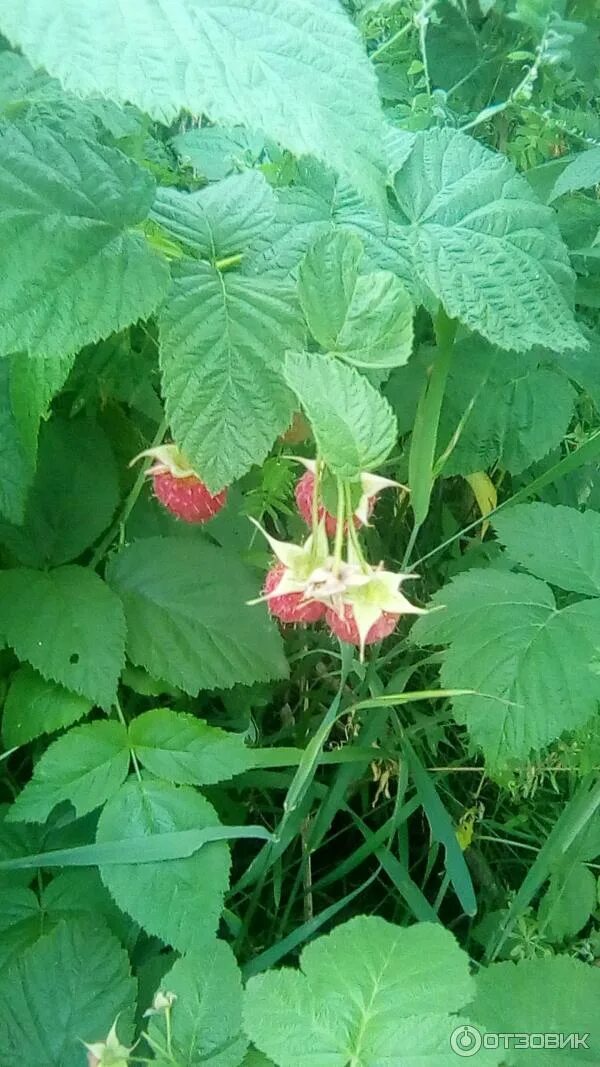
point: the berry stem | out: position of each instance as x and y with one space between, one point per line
353 538
339 529
315 498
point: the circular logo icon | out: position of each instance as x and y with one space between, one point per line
465 1040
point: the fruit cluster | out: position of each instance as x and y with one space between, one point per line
310 582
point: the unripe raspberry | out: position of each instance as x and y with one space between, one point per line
304 500
187 498
290 607
345 626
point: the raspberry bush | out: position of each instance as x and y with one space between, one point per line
299 532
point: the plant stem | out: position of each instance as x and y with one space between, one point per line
353 539
339 530
315 497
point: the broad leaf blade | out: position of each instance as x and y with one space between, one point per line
558 544
183 749
35 706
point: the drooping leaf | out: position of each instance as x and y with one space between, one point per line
68 624
183 749
354 425
36 706
86 766
484 244
179 901
582 173
67 987
366 319
533 667
369 993
553 995
69 211
187 615
510 408
223 337
294 69
568 902
558 544
220 220
206 1018
73 496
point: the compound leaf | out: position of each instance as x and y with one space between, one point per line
179 901
187 617
68 624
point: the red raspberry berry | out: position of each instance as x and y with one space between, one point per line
304 495
344 626
187 498
290 607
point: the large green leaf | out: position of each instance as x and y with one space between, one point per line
582 173
69 211
484 244
223 337
353 424
187 617
293 68
512 408
559 544
206 1019
366 319
68 987
534 668
85 766
554 995
183 749
368 994
68 624
73 496
568 902
179 901
35 706
21 922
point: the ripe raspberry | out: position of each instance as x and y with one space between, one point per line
187 498
345 627
304 496
290 607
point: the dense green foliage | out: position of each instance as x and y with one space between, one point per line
363 236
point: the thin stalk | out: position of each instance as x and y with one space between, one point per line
123 721
339 530
315 497
353 538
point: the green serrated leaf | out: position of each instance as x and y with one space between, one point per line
582 173
554 995
354 425
73 496
164 896
222 338
206 1019
568 902
218 151
534 668
68 624
69 208
176 58
484 244
183 749
558 544
68 987
369 993
21 922
85 767
34 706
366 319
187 615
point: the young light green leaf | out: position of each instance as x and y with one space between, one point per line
86 766
366 319
354 425
369 993
220 220
68 624
206 1018
70 985
553 995
582 173
183 749
69 208
559 544
187 615
534 668
176 57
73 497
222 339
568 902
34 706
510 408
162 896
484 244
